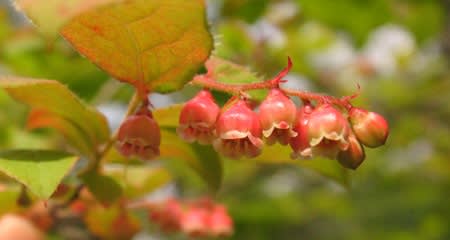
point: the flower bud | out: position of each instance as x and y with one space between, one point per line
139 135
370 128
219 222
239 132
354 155
277 115
328 131
300 143
198 118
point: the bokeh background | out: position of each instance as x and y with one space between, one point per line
397 51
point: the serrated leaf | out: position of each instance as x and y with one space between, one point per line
51 15
278 154
40 170
155 44
58 100
140 181
225 71
203 159
104 188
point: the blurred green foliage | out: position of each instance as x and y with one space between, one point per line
400 192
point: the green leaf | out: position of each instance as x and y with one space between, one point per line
51 15
40 170
247 10
104 188
227 72
139 181
168 117
8 200
203 159
155 44
278 154
58 100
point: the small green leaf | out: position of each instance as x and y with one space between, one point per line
51 15
139 181
40 170
155 44
8 200
203 159
58 100
168 117
227 72
104 188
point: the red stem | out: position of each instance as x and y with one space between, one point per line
207 81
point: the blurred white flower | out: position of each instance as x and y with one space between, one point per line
386 45
264 31
297 81
282 11
335 57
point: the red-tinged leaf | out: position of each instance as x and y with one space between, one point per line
51 15
152 44
40 118
57 99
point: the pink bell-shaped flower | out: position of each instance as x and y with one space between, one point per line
238 131
198 118
219 222
167 215
370 128
139 135
300 143
328 131
277 115
354 155
194 221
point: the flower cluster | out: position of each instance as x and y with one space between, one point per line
326 129
201 218
331 127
